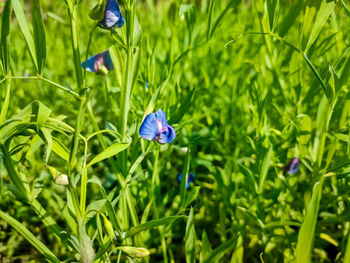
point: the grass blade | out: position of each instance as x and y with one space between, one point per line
264 169
29 237
5 37
307 231
23 24
152 224
190 239
217 254
5 103
39 35
112 150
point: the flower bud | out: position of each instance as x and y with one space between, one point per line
108 226
62 179
136 252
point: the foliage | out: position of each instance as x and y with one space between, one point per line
247 85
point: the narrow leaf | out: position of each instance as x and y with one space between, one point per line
152 224
217 254
39 34
307 231
23 24
109 152
264 169
190 239
5 37
29 237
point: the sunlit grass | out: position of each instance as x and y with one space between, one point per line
247 86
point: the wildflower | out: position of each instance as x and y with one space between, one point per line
190 179
293 166
112 16
99 63
155 127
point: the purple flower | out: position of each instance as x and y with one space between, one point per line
293 166
155 127
100 63
190 179
112 16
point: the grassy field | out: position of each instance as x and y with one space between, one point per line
248 86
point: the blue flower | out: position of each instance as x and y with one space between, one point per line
100 63
155 127
112 16
293 166
190 179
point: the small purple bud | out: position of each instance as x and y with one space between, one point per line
293 166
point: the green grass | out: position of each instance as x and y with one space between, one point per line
247 85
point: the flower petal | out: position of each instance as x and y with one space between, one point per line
112 17
160 116
293 166
149 128
166 135
96 62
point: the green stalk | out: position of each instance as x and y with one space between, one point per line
127 80
76 95
5 104
73 14
156 193
73 153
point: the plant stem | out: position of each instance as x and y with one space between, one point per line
76 95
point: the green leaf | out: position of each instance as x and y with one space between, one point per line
60 149
273 10
307 231
210 18
347 251
5 37
23 24
41 111
217 254
185 104
46 137
39 35
184 179
29 237
289 20
112 150
192 195
184 8
5 104
190 239
97 12
264 169
206 247
152 224
324 12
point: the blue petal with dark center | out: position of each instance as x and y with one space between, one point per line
112 16
149 128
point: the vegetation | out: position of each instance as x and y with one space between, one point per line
246 85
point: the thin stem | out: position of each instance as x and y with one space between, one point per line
72 157
87 53
76 95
